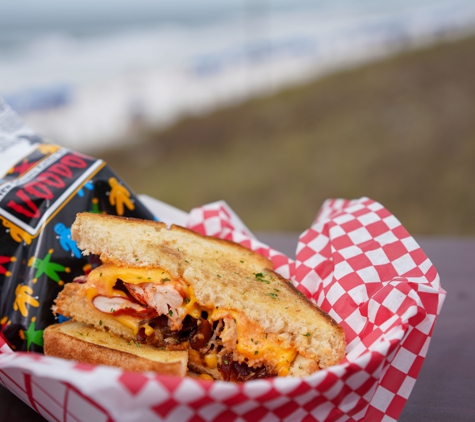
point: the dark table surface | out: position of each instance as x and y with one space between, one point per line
445 389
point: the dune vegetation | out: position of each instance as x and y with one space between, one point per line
400 131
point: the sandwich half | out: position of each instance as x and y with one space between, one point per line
174 289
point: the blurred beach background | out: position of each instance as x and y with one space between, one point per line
271 105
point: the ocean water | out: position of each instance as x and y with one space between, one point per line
85 73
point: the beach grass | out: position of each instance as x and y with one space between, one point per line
400 131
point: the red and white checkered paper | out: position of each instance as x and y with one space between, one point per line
356 261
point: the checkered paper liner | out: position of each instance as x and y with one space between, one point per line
356 261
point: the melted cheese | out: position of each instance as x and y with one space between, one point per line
104 278
91 293
191 305
253 343
148 330
205 377
128 321
211 360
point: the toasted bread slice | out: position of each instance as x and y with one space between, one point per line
226 279
142 243
83 343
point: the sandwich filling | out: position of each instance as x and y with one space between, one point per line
164 312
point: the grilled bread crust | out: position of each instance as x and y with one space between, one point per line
83 343
223 275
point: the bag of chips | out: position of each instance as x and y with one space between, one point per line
42 187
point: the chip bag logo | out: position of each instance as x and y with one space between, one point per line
30 201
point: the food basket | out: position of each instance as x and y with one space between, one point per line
356 261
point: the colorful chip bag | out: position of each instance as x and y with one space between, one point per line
42 187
